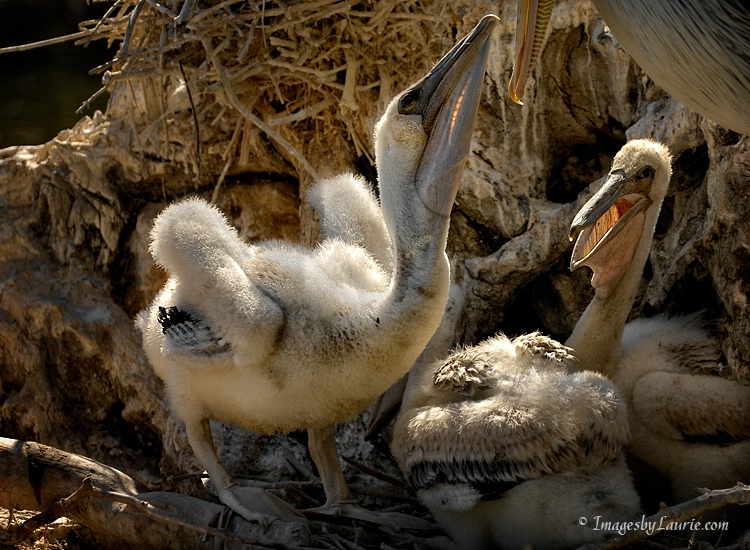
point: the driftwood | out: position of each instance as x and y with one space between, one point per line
118 510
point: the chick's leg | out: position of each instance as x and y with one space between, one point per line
339 502
202 443
322 445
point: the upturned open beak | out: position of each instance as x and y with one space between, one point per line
608 228
448 100
531 27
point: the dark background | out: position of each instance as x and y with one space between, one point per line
41 89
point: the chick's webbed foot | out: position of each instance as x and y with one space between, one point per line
339 504
252 503
256 505
232 501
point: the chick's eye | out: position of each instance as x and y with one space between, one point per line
408 102
647 172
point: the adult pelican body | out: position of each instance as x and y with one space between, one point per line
697 50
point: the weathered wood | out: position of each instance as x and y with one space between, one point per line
117 509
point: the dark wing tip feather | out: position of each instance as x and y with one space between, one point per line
488 479
189 333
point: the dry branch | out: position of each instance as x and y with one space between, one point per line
44 43
116 508
118 511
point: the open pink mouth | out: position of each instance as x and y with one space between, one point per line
604 224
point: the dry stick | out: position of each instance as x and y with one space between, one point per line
302 69
244 111
291 10
55 511
99 23
185 13
163 10
209 11
683 512
304 113
129 31
375 473
49 42
86 104
250 37
315 16
61 507
228 154
195 119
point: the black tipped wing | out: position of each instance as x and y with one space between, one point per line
189 333
487 480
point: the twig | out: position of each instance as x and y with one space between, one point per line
129 31
322 75
162 9
195 119
111 9
55 511
244 111
248 41
287 22
207 12
683 512
228 155
375 473
86 104
304 113
184 16
48 42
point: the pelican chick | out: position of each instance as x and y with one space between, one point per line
507 448
277 337
688 422
696 50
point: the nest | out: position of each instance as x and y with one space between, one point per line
237 81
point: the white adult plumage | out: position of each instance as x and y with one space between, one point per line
695 49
